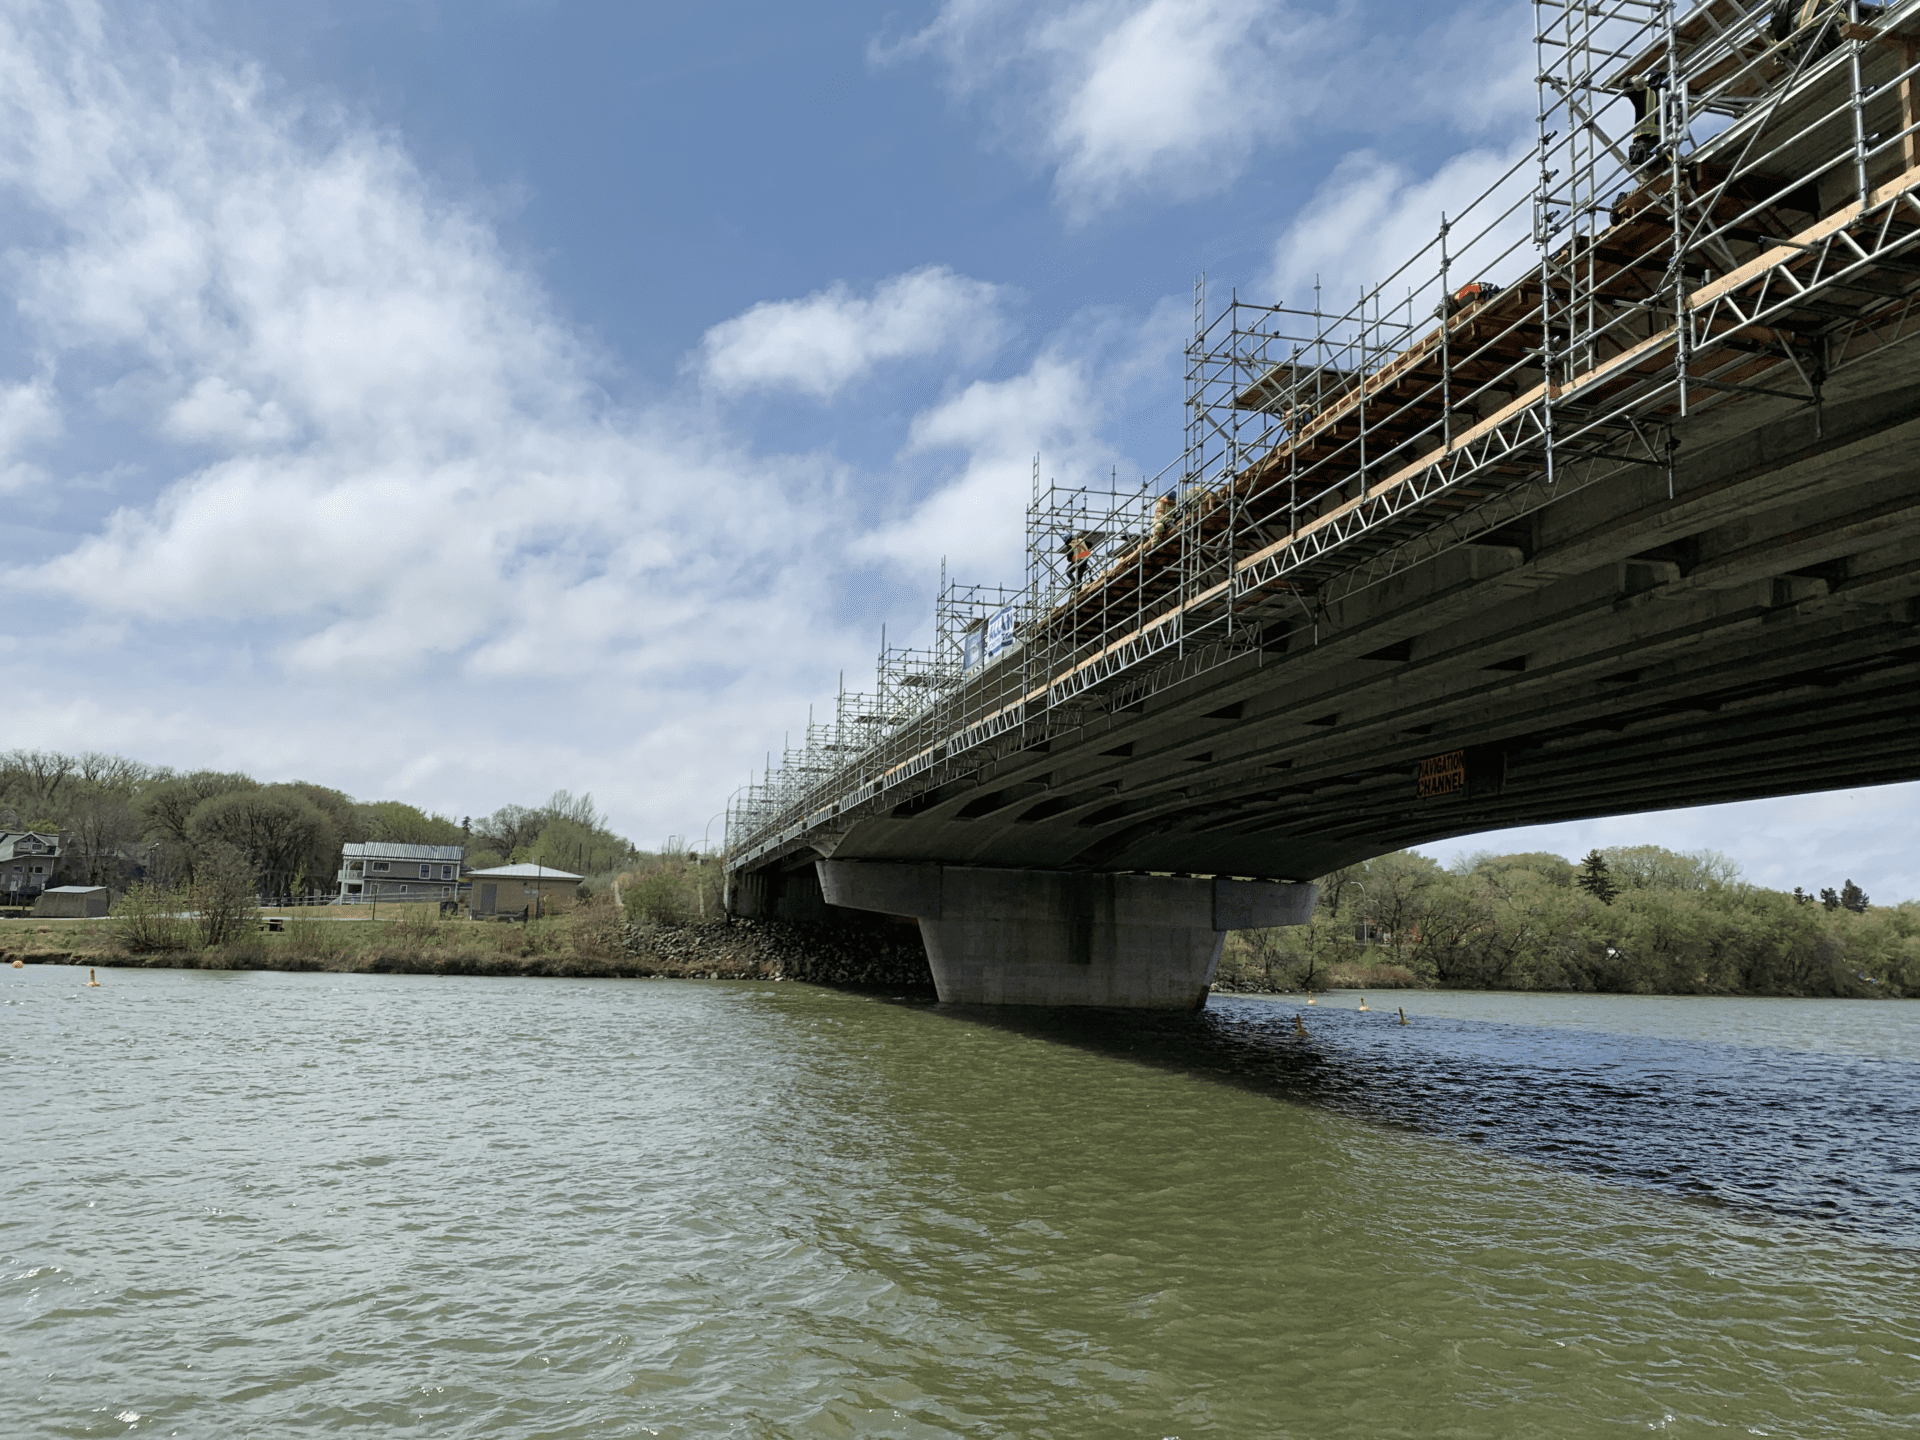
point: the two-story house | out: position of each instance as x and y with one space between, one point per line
372 870
28 861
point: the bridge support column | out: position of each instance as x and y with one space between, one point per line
1050 937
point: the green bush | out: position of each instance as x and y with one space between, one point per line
221 901
149 919
660 896
1677 924
316 939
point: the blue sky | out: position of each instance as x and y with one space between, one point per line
456 402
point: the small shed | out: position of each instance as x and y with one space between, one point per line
510 889
71 902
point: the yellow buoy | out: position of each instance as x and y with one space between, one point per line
1363 1002
93 980
1309 997
1403 1014
19 964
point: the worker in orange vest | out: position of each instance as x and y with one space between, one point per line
1466 295
1078 550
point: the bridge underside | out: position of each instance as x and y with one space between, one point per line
1748 626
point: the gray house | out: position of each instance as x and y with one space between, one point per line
375 870
28 861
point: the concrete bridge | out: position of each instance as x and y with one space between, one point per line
1635 526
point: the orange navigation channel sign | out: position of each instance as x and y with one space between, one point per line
1443 774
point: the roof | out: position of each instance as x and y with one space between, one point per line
75 890
523 872
383 850
27 842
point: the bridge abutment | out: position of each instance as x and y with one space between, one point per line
1050 937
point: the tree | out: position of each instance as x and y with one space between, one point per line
397 823
562 805
510 828
569 845
1830 898
1653 867
1596 879
1336 886
166 810
1800 897
1393 897
1853 898
282 836
97 827
221 899
31 782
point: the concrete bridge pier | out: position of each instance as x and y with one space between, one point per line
1051 937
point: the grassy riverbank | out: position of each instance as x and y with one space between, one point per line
592 940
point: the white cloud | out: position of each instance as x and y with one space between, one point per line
1125 95
410 496
1373 223
1056 410
1174 98
216 412
1063 408
820 345
29 414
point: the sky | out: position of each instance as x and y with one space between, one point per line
458 402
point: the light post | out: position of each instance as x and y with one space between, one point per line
699 882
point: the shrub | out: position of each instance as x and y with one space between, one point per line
221 899
661 896
148 919
315 939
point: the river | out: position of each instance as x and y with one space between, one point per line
254 1204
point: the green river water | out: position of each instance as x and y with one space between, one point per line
262 1204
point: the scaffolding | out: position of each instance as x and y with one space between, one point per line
1718 209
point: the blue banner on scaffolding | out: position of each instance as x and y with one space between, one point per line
1000 635
973 648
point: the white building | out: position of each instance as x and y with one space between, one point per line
374 870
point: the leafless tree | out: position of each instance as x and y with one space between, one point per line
99 827
221 899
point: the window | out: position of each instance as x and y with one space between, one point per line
403 889
446 872
381 865
426 872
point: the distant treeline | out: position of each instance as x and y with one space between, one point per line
121 820
1629 919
